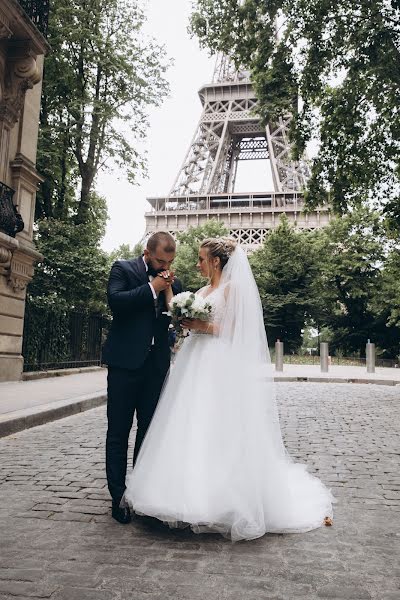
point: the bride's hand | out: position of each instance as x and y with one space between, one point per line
194 324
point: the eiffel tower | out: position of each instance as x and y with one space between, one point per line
230 131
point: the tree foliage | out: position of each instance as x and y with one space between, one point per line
126 252
283 269
99 80
349 254
188 250
342 59
74 271
342 281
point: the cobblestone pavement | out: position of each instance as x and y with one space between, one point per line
58 540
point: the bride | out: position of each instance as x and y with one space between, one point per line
213 457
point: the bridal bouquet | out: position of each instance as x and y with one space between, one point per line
188 306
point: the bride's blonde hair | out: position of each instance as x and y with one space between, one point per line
221 248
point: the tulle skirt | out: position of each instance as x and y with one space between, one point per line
213 457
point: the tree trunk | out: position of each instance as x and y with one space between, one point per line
60 211
82 215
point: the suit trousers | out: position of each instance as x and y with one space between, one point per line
128 391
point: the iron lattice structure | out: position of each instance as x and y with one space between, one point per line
229 131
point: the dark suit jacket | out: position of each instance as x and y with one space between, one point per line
135 319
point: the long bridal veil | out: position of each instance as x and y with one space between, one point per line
284 496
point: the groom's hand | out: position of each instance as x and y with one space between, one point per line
163 281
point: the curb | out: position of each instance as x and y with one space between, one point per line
34 375
297 379
25 419
14 422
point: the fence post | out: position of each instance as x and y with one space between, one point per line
370 357
324 357
278 355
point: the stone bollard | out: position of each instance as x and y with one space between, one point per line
278 356
324 357
370 357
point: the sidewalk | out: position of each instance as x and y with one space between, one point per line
25 404
339 374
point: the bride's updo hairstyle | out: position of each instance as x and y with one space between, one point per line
221 248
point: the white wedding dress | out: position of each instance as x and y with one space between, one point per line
213 457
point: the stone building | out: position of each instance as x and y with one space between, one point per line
22 50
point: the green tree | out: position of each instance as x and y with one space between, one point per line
74 272
188 249
391 287
386 306
342 59
100 78
283 269
350 255
126 252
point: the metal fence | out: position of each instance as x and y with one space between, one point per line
56 339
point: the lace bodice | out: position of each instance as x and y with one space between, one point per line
217 300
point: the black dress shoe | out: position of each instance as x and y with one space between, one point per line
122 515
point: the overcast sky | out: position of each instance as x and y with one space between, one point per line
171 126
171 129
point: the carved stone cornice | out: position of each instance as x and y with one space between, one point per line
19 275
5 30
16 20
7 247
17 260
22 73
23 168
5 260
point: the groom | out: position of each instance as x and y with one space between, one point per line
137 353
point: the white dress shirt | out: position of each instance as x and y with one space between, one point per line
146 266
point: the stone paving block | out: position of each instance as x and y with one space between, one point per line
9 562
39 514
101 518
71 516
13 597
75 580
76 495
89 510
347 434
97 496
340 592
21 574
391 495
81 593
28 589
62 488
48 507
51 499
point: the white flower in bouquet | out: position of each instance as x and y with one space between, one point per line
187 305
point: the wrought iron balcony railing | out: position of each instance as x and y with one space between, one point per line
11 221
38 12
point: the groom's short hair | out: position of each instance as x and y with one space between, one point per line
161 238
